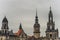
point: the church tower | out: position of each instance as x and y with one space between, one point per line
36 27
5 27
51 32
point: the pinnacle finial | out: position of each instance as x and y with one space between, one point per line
20 26
50 10
36 12
5 16
36 18
50 7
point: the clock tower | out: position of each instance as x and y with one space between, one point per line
51 32
36 27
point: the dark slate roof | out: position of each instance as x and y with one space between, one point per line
11 34
5 19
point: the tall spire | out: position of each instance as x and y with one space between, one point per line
51 27
50 10
20 26
50 15
36 18
36 12
36 27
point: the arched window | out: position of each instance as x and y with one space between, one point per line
50 35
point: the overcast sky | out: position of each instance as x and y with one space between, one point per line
24 11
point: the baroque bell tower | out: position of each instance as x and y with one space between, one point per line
5 27
51 32
36 27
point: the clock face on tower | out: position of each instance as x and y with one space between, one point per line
36 28
50 26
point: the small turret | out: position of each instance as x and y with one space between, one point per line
20 27
5 19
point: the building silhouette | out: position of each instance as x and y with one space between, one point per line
51 32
